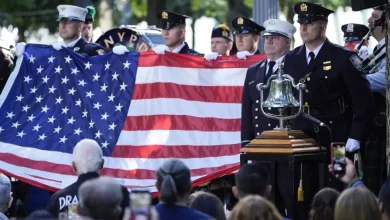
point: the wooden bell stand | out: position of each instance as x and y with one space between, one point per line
283 151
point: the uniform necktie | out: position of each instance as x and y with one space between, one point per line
311 54
271 65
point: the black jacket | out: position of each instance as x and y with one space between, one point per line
88 49
68 196
187 50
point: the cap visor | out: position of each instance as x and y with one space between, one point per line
272 33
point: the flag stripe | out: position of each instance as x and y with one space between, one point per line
162 106
150 59
138 173
180 122
178 137
194 77
180 151
217 94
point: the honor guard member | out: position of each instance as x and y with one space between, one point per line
173 27
221 42
88 24
375 169
337 92
353 35
71 22
247 36
278 36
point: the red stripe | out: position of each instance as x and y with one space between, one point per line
185 151
117 173
180 122
38 177
219 94
150 59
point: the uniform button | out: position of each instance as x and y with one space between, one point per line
269 108
306 103
256 109
326 77
331 122
256 117
257 101
308 78
306 90
269 125
258 133
257 125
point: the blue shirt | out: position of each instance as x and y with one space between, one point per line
377 76
177 212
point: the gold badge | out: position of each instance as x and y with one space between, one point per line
326 68
240 21
224 27
164 15
225 34
303 7
76 49
350 28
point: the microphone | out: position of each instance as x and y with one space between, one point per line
314 120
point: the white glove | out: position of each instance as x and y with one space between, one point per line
160 49
363 52
243 54
20 49
211 56
58 45
352 145
120 50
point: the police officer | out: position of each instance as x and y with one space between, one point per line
173 33
247 36
71 21
221 42
337 92
353 35
88 24
278 36
375 169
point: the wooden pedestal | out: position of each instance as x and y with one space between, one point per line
282 142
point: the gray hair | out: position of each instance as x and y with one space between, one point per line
100 198
5 192
87 156
173 181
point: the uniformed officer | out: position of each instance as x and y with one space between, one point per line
247 36
375 169
353 35
71 21
278 36
337 92
173 33
88 24
221 42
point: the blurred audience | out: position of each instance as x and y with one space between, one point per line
5 196
324 202
209 204
255 207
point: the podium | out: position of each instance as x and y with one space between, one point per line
283 151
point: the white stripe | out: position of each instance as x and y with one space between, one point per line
178 137
10 80
192 76
165 106
115 163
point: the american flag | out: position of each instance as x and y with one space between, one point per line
142 108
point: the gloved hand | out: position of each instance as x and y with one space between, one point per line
242 54
352 145
160 49
211 56
120 49
363 52
20 49
58 45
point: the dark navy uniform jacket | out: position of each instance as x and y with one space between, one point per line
186 50
88 49
337 92
253 122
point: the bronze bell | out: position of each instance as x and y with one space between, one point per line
280 94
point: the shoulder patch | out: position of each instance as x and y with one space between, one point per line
356 61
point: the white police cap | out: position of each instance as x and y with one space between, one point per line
71 12
275 27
